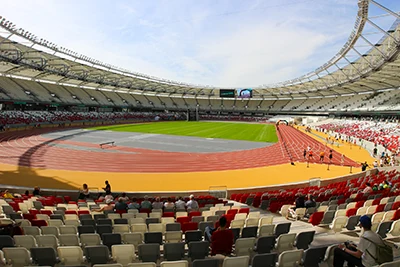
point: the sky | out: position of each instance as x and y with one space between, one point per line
224 43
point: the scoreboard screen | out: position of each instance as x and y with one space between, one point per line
226 93
245 93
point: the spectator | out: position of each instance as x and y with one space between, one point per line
375 151
330 156
84 192
305 154
310 203
192 203
100 197
27 193
299 203
362 255
221 239
124 197
134 204
146 204
108 207
169 204
180 204
375 187
375 164
157 204
121 205
108 197
364 166
36 191
386 185
7 194
367 189
107 189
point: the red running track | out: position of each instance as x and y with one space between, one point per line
31 149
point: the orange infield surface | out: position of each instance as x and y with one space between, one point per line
266 171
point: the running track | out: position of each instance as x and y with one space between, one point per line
31 149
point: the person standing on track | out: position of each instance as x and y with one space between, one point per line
330 156
107 189
305 154
321 156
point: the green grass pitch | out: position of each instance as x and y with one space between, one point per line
223 130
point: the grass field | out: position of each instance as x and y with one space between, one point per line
223 130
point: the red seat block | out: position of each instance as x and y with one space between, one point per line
351 212
47 212
29 217
189 226
316 218
396 215
80 212
70 212
244 210
194 213
39 223
169 214
232 212
182 220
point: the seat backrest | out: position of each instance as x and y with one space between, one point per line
181 263
47 241
50 230
198 250
17 256
314 256
90 239
282 228
383 228
191 236
339 223
249 231
174 251
290 258
244 246
26 241
139 228
265 260
328 217
149 252
173 227
111 239
391 264
132 238
72 255
205 263
240 261
304 239
44 256
32 230
156 227
121 228
267 230
97 254
67 229
123 254
68 240
142 264
265 244
285 242
153 238
173 237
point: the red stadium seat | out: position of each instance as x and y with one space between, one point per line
145 211
29 217
169 214
232 212
351 212
67 199
34 212
189 226
70 212
396 205
194 213
182 220
244 210
396 215
39 223
316 218
380 208
80 212
47 212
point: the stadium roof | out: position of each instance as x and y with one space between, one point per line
24 55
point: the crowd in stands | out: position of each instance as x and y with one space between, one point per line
37 117
383 133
